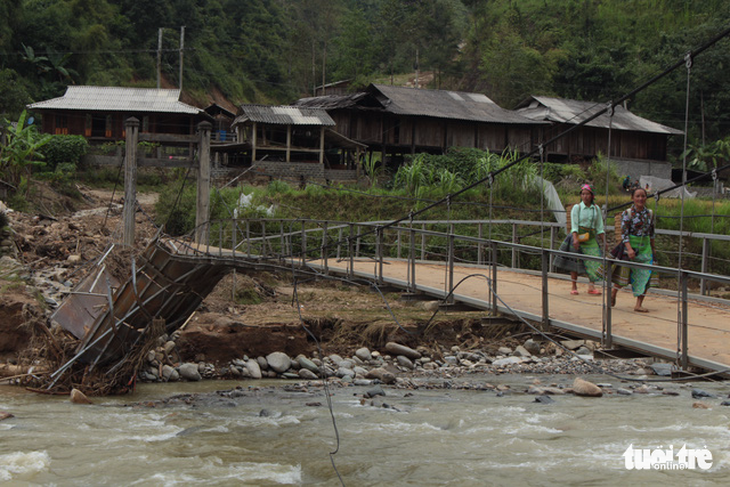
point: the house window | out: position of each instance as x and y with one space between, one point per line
88 124
61 125
146 123
108 131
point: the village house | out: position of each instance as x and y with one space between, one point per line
99 112
638 145
397 121
294 142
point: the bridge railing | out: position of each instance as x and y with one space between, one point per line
486 245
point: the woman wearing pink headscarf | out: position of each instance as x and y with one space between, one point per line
586 227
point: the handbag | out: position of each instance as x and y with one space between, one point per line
584 237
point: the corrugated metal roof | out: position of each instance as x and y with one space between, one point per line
562 110
332 101
117 99
457 105
284 115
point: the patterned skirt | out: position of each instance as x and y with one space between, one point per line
590 268
640 279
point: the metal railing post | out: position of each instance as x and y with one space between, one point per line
552 246
683 280
412 262
339 243
351 251
397 238
234 237
451 269
379 250
705 258
493 295
357 245
423 242
480 247
282 241
545 259
324 249
607 337
263 237
514 250
304 242
248 239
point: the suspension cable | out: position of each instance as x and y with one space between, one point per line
680 317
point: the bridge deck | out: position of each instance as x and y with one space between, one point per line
654 333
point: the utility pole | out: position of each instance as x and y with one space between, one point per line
159 56
182 46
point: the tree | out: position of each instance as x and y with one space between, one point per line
21 151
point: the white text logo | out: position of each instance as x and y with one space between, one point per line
667 459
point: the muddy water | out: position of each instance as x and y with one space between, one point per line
428 437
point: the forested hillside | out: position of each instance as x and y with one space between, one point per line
274 51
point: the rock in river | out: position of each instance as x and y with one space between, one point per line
584 388
78 397
189 371
278 361
398 349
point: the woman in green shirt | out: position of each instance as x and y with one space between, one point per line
586 228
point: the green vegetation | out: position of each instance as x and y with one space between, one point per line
20 153
267 51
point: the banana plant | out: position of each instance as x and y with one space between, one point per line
20 151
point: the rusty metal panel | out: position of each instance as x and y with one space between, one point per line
86 302
165 286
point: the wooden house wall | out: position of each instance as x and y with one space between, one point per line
518 137
492 136
70 122
589 141
460 134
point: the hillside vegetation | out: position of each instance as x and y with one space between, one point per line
278 50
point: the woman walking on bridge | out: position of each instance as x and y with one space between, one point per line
637 245
586 227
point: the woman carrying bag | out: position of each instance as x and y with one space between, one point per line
637 245
586 227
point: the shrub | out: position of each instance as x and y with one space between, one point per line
65 149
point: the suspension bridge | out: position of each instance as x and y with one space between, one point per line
495 277
444 260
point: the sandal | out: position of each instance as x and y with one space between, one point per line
594 291
573 291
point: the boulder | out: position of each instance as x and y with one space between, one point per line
532 346
169 373
382 375
375 391
189 371
363 354
544 400
307 374
404 361
254 369
699 393
507 361
520 351
78 397
582 387
343 372
398 349
305 363
278 362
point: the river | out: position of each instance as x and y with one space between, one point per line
271 437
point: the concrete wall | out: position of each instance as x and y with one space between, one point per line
637 168
295 170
